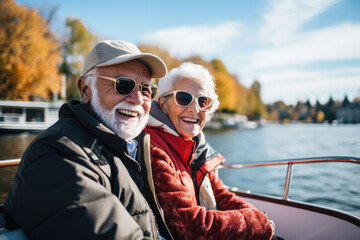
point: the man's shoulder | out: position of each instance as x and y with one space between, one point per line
64 135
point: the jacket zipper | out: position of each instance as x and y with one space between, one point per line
193 173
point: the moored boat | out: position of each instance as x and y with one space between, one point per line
20 116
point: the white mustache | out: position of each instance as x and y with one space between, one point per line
130 107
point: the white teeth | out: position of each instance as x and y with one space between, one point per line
128 112
190 120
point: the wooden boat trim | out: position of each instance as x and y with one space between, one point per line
11 162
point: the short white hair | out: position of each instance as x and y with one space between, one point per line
192 71
91 81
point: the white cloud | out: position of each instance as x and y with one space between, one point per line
295 85
204 40
283 51
286 17
339 42
279 61
286 75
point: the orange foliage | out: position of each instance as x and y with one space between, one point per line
233 96
29 54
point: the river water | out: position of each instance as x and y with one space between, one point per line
335 185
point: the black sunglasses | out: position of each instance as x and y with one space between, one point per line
125 86
184 99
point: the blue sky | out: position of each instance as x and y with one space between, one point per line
296 49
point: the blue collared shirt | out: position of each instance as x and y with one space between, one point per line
132 147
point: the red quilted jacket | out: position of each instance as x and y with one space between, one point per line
174 186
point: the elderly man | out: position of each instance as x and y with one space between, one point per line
88 176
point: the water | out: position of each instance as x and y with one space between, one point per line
331 185
334 185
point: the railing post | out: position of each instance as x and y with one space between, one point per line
287 181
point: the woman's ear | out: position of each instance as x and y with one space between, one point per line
162 104
85 90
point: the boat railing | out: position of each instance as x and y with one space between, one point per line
10 162
290 163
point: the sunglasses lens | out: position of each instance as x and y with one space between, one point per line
154 91
204 103
183 98
125 86
149 91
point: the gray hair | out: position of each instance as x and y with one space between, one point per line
194 71
91 81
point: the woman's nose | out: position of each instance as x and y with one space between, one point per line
193 107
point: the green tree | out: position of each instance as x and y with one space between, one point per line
29 54
256 107
76 46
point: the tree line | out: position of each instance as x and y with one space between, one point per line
330 112
34 60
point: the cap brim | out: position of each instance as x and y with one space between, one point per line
156 65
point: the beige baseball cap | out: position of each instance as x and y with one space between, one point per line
112 52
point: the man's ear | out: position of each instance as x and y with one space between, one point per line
85 90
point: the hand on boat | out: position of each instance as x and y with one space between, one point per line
272 226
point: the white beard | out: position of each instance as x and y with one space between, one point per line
126 129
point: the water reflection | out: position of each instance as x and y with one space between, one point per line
328 185
14 145
11 146
6 179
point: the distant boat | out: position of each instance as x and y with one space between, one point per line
21 116
230 121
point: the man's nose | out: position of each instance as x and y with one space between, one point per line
136 96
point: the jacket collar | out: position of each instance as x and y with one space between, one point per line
115 143
159 119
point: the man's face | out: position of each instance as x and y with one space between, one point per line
126 115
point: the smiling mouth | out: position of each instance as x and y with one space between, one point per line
190 120
127 113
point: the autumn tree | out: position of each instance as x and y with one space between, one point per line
29 54
170 61
233 96
76 47
242 103
256 107
226 87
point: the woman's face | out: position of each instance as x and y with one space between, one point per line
190 120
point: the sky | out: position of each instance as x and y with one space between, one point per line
297 49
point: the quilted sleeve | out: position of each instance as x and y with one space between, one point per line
187 220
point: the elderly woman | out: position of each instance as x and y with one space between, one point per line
196 203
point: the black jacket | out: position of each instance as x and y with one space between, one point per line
77 181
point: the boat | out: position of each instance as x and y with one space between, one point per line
295 220
223 121
20 116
